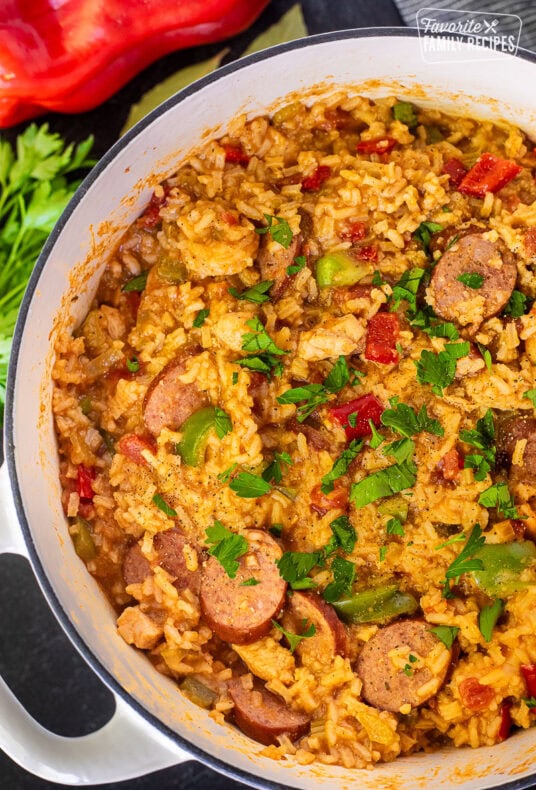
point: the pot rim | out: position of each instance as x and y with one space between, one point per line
225 768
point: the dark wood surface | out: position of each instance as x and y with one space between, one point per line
36 659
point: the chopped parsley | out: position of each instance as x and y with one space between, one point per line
344 535
161 503
295 566
226 547
385 482
446 634
406 289
266 363
531 395
279 230
297 266
251 582
133 364
439 370
265 353
200 318
341 465
225 476
222 423
404 112
375 439
408 670
311 396
454 539
499 496
404 420
401 450
258 294
274 471
377 279
395 527
471 280
276 529
465 561
424 234
249 486
530 702
488 617
343 578
383 552
483 438
340 375
295 639
517 305
136 284
426 320
235 377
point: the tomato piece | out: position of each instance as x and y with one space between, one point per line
366 408
313 182
151 216
456 171
380 145
369 253
529 673
85 477
506 720
530 242
356 231
382 335
335 500
450 464
234 154
132 444
489 174
474 695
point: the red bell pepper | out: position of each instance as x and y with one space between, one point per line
489 174
382 335
70 56
529 673
84 480
234 154
455 169
506 720
313 182
369 253
475 695
380 145
366 408
335 500
356 231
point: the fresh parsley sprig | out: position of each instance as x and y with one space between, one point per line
465 561
226 547
407 422
406 289
264 353
274 471
312 396
279 230
341 465
249 486
343 579
487 619
424 234
295 566
385 482
483 438
446 634
295 639
499 496
439 370
258 294
472 280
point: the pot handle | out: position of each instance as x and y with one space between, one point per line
125 748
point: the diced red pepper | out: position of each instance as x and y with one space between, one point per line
529 673
382 335
506 720
450 464
313 182
380 145
151 216
234 154
85 477
489 174
335 500
530 242
369 253
475 696
456 171
132 444
366 408
356 231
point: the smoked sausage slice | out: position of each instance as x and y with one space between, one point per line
329 639
403 664
465 306
170 546
512 431
263 716
136 567
242 614
168 402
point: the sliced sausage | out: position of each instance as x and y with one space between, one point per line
329 639
273 260
403 664
136 567
263 716
465 306
517 429
170 546
239 613
168 402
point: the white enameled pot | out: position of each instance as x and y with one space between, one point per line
154 725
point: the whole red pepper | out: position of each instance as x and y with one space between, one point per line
70 56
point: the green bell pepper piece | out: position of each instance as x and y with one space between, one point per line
195 431
396 506
503 564
338 269
82 540
377 605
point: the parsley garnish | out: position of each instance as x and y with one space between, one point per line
200 318
226 475
295 639
383 552
454 539
517 305
395 527
274 471
267 364
256 294
294 567
471 280
404 420
137 283
439 370
297 266
376 438
234 378
260 341
251 582
133 364
385 482
401 450
424 234
426 319
340 375
483 438
280 231
344 535
464 562
500 497
222 423
530 702
341 464
249 486
531 395
406 289
161 503
276 529
311 396
377 279
343 578
488 617
226 546
446 634
408 670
